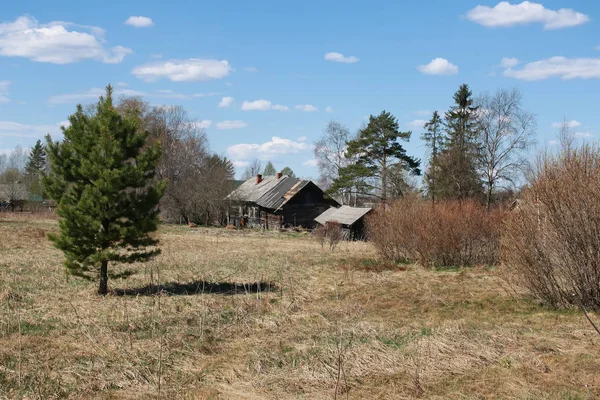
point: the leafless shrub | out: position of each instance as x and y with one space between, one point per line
551 243
320 233
449 233
331 233
334 234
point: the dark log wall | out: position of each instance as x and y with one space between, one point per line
305 206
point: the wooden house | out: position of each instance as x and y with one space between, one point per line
352 220
276 202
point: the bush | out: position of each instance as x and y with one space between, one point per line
551 243
331 232
444 234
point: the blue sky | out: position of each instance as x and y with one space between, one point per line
286 68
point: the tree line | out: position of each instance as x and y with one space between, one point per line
255 168
198 179
476 150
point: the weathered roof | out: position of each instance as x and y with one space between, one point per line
270 193
345 215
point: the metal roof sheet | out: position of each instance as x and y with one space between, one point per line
324 217
270 193
345 215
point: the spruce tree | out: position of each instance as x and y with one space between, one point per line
35 169
459 178
269 169
434 139
101 176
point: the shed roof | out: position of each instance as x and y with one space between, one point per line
270 193
345 215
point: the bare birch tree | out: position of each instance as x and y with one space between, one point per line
330 155
506 133
253 169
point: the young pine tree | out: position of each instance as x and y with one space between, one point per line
434 139
35 169
101 175
459 178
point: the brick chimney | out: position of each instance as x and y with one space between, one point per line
278 175
258 178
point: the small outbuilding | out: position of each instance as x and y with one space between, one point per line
352 220
277 201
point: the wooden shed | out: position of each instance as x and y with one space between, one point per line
352 220
277 201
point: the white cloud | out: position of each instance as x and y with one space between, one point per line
310 163
4 85
203 124
339 57
262 105
206 94
94 93
417 123
55 43
229 83
505 14
139 22
15 129
240 164
250 69
121 84
422 112
570 124
584 135
237 124
439 66
302 139
306 108
565 68
226 102
508 62
275 147
329 109
553 142
190 70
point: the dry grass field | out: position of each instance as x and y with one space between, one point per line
250 315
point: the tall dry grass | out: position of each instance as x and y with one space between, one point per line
551 243
444 234
330 324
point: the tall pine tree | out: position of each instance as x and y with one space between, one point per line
101 175
35 169
434 139
459 178
377 150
